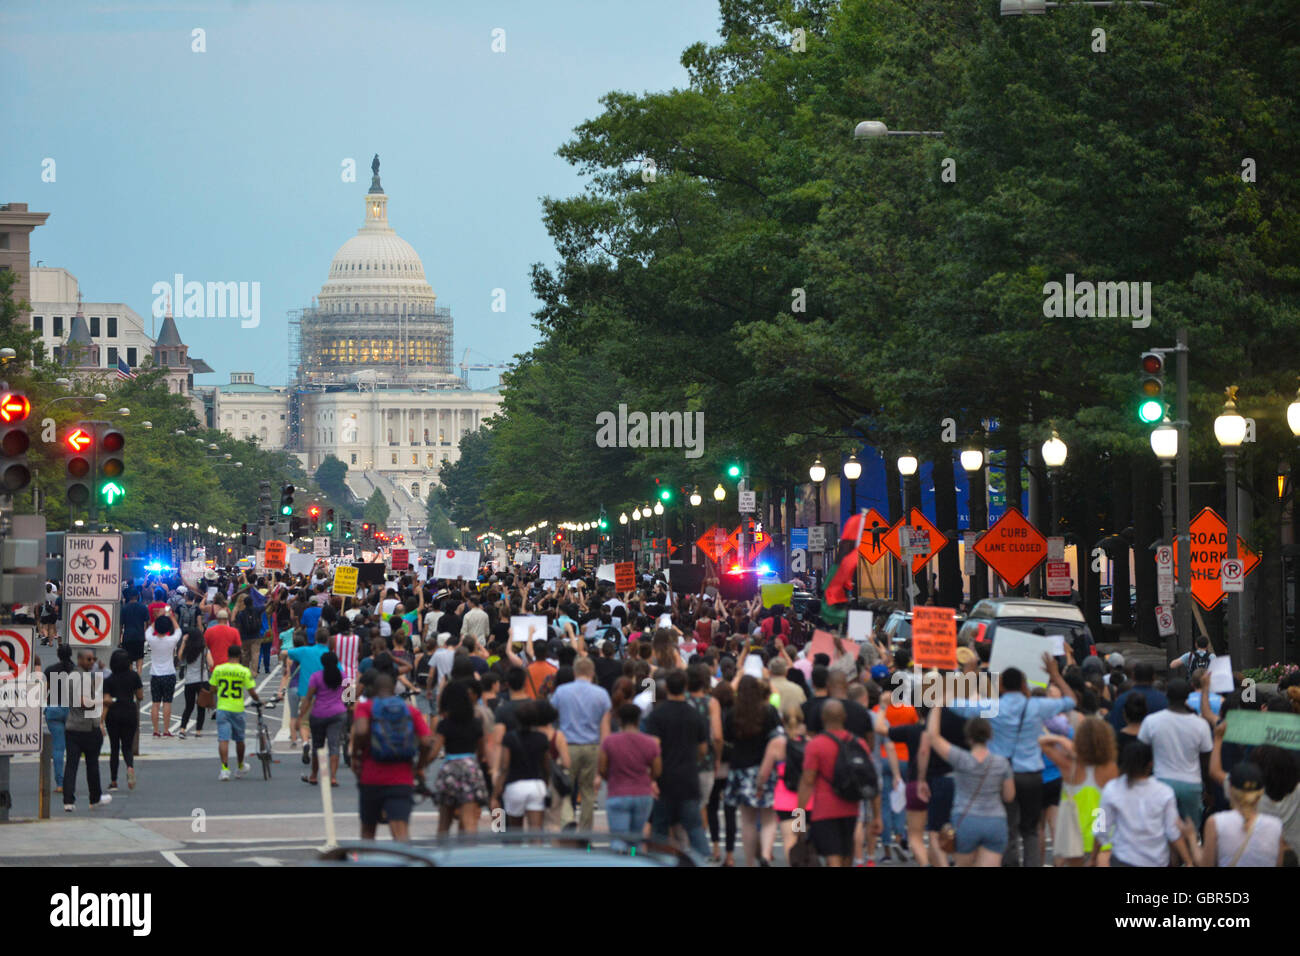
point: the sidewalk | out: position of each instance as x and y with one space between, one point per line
58 837
1135 651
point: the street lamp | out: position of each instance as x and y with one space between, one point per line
695 497
622 518
719 493
907 466
852 471
1164 442
874 129
972 460
1230 431
1054 452
817 472
659 508
636 514
1293 415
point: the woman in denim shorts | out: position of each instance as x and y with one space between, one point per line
983 783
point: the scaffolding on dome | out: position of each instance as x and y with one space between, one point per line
355 349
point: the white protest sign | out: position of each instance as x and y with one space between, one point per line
550 566
300 562
456 564
526 628
1021 650
860 626
605 572
1221 675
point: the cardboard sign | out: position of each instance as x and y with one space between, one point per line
276 556
526 628
605 572
823 642
860 623
625 576
934 637
402 559
774 594
300 563
550 566
1021 650
1221 675
456 564
345 581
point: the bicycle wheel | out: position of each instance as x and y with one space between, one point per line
266 766
264 751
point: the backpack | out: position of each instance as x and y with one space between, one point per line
793 764
854 778
1200 660
187 616
392 731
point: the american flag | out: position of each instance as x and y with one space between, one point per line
123 370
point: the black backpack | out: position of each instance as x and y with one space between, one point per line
1200 660
854 778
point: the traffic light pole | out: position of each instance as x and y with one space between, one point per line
1183 592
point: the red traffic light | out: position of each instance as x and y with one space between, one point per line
1153 363
112 441
78 439
314 511
14 407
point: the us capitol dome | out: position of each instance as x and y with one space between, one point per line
376 318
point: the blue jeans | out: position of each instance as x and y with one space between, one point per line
264 657
683 812
627 815
56 718
895 824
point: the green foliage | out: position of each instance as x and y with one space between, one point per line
376 510
442 533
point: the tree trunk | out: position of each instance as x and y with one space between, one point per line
1089 535
945 513
979 521
1146 530
1121 504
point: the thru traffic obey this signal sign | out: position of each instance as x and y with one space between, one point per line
1012 547
1209 548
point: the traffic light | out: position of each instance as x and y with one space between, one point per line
314 513
263 500
1151 395
112 445
81 443
286 500
15 472
347 529
329 521
733 471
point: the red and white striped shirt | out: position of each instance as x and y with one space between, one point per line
346 646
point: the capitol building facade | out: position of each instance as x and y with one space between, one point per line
374 383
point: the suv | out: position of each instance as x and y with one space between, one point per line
1026 614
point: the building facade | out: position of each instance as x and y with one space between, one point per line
114 327
246 410
16 225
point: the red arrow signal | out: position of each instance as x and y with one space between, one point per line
14 408
78 439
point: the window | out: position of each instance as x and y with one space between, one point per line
415 459
130 357
112 356
38 323
394 458
112 326
58 354
354 458
94 326
58 325
245 417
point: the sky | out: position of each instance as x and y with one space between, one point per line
227 165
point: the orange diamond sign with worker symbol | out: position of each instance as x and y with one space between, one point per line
875 534
1209 548
1012 547
937 541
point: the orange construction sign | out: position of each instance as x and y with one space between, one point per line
875 536
1209 548
1012 547
937 541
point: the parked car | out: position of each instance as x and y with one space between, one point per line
1027 614
1108 605
512 849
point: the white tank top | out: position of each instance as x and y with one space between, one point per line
1261 848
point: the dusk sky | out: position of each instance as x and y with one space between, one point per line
226 165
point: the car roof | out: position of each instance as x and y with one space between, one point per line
1024 607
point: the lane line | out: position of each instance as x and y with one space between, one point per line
171 857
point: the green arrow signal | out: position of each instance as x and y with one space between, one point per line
111 491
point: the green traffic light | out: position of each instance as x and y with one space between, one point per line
286 510
329 526
664 495
1151 411
111 491
733 471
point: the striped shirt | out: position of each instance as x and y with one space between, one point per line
346 647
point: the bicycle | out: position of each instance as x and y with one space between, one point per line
264 736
